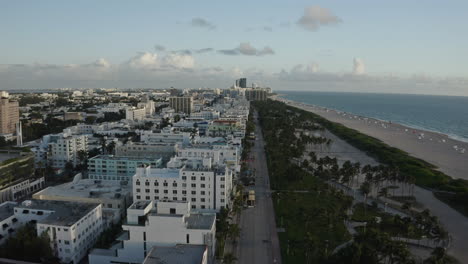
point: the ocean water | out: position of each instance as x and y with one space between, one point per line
444 114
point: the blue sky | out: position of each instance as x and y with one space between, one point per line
427 39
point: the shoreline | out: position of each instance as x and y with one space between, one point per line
450 136
449 155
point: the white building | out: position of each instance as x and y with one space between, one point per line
178 254
207 187
64 147
114 196
146 150
72 227
164 137
221 154
134 113
58 149
21 188
151 224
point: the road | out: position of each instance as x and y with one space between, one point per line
259 241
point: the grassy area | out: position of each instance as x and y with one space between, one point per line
423 173
312 229
313 220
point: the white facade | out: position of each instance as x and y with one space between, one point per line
72 227
207 188
135 113
21 188
63 148
165 137
151 224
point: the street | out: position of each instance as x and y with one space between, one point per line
258 242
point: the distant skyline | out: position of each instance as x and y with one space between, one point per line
418 47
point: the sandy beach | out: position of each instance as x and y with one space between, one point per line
449 155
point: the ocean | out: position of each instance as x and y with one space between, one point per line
444 114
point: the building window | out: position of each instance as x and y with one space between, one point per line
194 199
194 185
165 191
165 184
184 192
184 199
203 199
193 178
172 211
138 197
222 200
147 190
203 207
184 178
202 192
147 198
174 192
156 191
156 197
194 192
222 179
202 178
203 185
156 183
147 183
222 186
174 184
138 190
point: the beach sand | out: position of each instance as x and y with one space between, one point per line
449 155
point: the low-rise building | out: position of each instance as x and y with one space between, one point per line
109 167
178 254
146 150
21 188
154 224
72 227
114 196
133 113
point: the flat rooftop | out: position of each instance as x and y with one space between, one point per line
64 213
123 158
6 210
87 188
164 173
178 254
200 221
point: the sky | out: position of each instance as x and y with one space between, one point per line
361 46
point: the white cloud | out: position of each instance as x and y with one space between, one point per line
315 16
247 49
358 66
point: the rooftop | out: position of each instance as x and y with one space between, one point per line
6 210
112 157
64 213
200 221
178 254
87 188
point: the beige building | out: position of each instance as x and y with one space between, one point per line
9 114
181 104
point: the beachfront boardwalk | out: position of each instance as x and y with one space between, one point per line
258 242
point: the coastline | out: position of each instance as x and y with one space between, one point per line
448 154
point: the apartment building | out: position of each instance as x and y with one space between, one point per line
9 114
146 150
181 104
114 196
133 113
64 147
109 167
158 224
206 187
73 227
